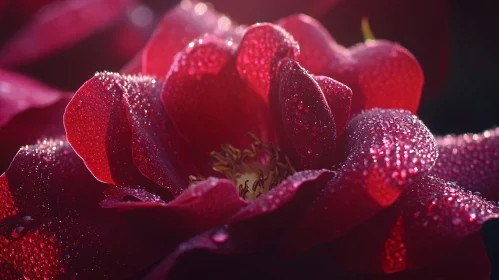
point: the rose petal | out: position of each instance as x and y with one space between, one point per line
387 150
118 126
19 93
262 47
178 27
254 226
305 124
51 225
424 226
472 161
208 102
69 20
28 111
339 99
380 73
202 206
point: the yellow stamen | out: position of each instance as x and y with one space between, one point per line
366 30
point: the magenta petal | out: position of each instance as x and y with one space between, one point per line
178 27
472 161
51 225
19 93
305 124
255 225
202 206
118 126
59 25
261 48
424 226
315 43
387 150
339 99
208 102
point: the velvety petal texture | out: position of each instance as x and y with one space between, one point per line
29 110
304 121
386 151
181 25
51 224
472 161
426 224
380 73
119 128
69 20
254 226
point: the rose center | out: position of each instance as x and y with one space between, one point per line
256 170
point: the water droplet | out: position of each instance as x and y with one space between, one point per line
220 237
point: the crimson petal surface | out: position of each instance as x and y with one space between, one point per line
256 225
118 126
386 151
51 224
305 124
472 161
180 26
426 224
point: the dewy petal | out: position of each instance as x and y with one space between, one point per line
69 20
339 99
202 206
208 102
178 27
255 225
472 161
28 111
387 150
304 122
426 224
51 225
118 126
262 47
380 73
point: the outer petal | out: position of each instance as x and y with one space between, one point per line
202 206
339 99
254 226
70 21
380 73
304 121
422 228
118 126
472 161
208 102
51 225
178 27
262 47
387 150
28 111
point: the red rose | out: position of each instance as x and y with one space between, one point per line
325 184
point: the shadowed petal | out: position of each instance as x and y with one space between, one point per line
51 225
339 99
178 27
472 161
380 73
424 226
387 150
254 226
118 126
28 111
305 124
70 20
202 206
261 48
208 102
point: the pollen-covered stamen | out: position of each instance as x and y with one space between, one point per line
256 170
